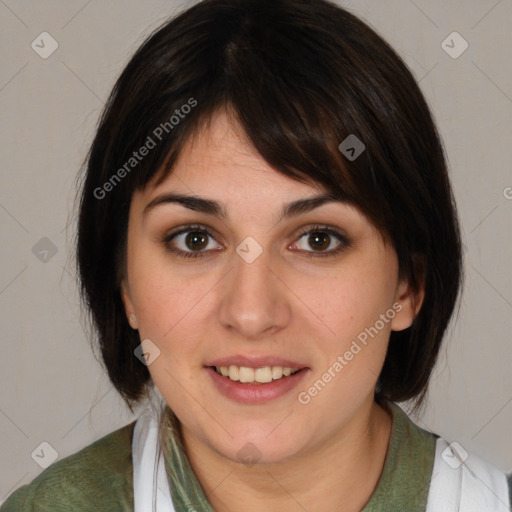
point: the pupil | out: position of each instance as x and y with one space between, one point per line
319 240
197 240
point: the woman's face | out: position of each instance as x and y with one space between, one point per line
314 289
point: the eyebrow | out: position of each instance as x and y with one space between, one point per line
211 207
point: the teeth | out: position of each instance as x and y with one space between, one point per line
261 375
277 372
234 372
246 374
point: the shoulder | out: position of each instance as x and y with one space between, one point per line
448 474
405 478
462 478
98 477
412 442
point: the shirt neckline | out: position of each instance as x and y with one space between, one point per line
403 485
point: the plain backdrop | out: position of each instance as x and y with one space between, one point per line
53 390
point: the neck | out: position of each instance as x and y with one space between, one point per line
339 474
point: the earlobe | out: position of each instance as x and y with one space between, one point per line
128 306
410 302
132 321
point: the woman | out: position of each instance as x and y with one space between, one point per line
268 244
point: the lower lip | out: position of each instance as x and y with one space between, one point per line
249 393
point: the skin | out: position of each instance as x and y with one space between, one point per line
308 309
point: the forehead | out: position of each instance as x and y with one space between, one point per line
219 160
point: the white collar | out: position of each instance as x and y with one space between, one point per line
151 491
462 482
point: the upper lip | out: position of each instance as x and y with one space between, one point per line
256 362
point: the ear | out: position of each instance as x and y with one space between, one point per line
128 304
410 302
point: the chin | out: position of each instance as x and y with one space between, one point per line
260 447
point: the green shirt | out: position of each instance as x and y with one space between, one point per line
100 477
97 478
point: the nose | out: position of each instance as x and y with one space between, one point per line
254 299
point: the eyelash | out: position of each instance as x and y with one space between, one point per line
344 242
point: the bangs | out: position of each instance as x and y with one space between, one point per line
295 119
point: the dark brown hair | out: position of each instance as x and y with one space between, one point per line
300 76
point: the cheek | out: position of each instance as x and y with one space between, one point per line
351 356
170 312
171 309
168 308
356 312
157 305
160 295
353 301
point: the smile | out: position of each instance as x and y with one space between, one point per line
259 385
261 375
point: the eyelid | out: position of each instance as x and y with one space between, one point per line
321 227
190 227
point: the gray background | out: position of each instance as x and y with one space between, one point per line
53 389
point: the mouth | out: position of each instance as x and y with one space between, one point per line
262 375
255 380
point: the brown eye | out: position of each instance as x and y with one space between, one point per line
191 242
319 241
196 240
